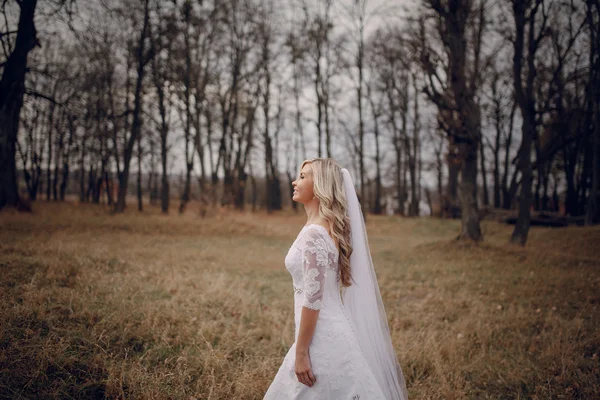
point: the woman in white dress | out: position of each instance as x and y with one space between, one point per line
342 347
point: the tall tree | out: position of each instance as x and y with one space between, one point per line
12 89
390 67
142 57
266 32
318 49
593 25
525 14
162 78
463 77
188 17
413 149
376 105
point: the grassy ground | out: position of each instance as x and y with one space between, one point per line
183 307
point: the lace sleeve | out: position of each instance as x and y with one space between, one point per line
315 260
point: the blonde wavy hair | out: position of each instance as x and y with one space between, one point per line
328 187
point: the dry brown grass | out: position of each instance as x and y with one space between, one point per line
159 307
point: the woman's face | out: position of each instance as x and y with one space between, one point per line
303 186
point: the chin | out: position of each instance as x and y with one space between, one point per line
297 199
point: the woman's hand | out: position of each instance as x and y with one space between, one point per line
303 369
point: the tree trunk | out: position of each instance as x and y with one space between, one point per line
376 113
108 184
319 103
545 206
140 198
164 189
82 170
136 125
484 185
377 208
152 189
253 183
440 175
522 225
413 149
592 215
509 192
470 227
498 119
459 111
400 189
200 150
66 157
12 90
90 185
214 178
164 100
525 99
298 114
50 152
57 160
271 193
361 129
451 201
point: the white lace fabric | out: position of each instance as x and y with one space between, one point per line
319 255
338 364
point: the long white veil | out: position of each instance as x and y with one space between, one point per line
364 306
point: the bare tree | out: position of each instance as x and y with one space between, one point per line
31 151
297 53
456 97
389 54
236 99
360 13
142 56
593 25
413 149
162 78
187 14
525 14
266 34
318 50
12 89
376 105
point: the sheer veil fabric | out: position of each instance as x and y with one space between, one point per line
364 306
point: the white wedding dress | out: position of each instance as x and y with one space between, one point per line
338 364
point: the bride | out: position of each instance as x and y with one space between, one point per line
342 349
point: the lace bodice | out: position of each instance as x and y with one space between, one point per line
313 263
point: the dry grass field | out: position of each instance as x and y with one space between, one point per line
148 306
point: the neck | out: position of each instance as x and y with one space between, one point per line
312 211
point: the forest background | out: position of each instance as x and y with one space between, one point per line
472 131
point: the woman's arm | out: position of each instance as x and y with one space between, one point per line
308 323
303 368
315 259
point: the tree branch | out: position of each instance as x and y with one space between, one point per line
42 96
